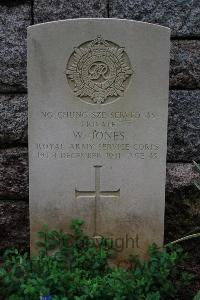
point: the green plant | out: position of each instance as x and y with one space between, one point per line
197 297
75 267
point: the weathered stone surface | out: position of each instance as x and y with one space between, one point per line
14 119
54 10
181 16
14 176
185 64
180 178
14 168
182 198
14 225
14 20
79 176
14 173
184 126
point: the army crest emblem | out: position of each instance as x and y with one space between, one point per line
98 71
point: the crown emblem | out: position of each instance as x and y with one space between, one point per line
98 71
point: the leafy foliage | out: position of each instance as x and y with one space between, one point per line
197 297
73 267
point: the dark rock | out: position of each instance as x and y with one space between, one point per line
14 20
14 119
182 210
185 64
14 225
66 9
13 173
180 179
184 126
182 16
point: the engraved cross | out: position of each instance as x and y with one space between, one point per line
96 194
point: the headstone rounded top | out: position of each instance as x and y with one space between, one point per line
101 20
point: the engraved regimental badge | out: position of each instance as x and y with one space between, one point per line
98 71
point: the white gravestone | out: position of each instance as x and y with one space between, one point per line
98 103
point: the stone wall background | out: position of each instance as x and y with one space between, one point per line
182 16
